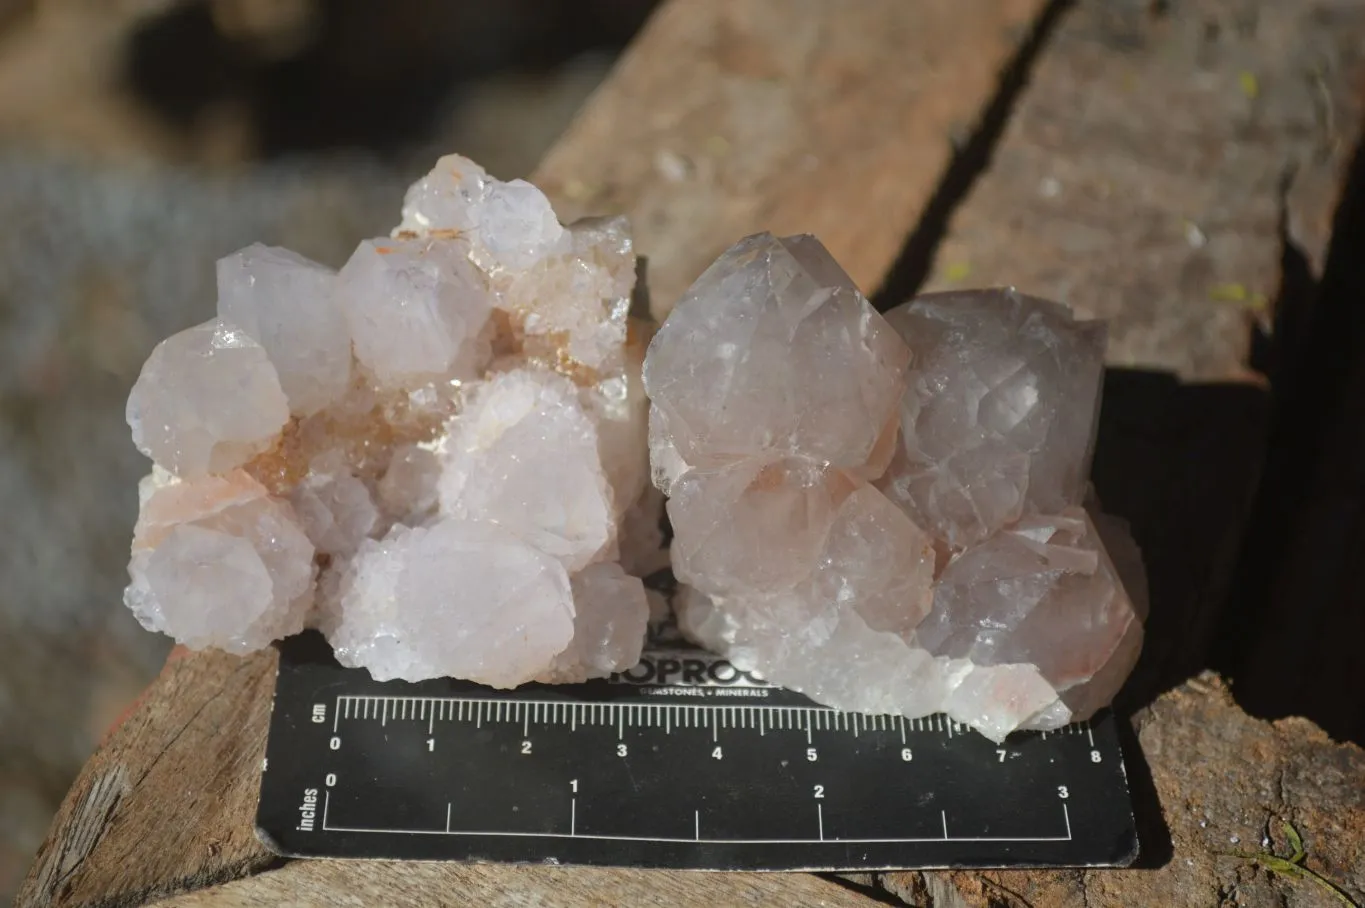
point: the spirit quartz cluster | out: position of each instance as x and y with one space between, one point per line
438 456
888 513
429 454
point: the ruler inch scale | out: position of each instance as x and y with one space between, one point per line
684 762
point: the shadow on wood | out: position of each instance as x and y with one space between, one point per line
1292 636
1179 462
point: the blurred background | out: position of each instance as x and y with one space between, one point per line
140 140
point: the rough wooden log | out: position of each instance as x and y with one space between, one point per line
1152 169
1227 784
505 886
167 803
803 116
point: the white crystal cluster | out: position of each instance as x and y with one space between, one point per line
887 513
428 454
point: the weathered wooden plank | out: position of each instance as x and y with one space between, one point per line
504 886
724 118
1226 785
1150 171
728 117
167 803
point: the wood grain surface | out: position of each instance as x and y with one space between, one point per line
1160 160
1216 792
367 883
727 117
168 802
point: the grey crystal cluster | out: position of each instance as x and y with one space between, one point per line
889 513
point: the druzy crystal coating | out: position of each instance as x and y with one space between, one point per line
888 513
428 454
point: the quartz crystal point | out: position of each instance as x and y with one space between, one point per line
611 614
207 400
524 455
218 562
449 198
998 412
335 509
399 616
416 309
887 513
284 302
428 454
795 362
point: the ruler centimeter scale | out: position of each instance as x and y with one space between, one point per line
684 762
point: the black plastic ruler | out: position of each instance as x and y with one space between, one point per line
683 762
